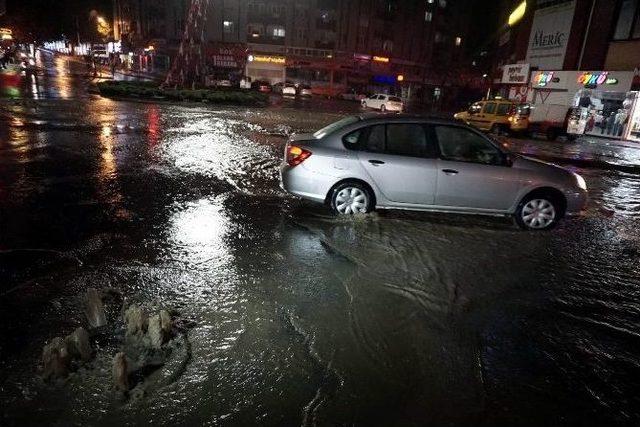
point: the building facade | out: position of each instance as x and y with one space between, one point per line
576 63
413 48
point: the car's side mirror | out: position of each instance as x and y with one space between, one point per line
508 159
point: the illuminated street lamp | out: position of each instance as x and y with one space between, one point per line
517 14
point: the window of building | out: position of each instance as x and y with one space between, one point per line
437 37
442 3
428 16
227 27
255 30
430 1
628 25
458 41
278 32
387 46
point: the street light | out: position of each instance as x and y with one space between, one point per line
517 14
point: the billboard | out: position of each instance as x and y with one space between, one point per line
550 35
515 74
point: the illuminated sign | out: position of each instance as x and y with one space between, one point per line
596 78
380 59
387 80
267 59
361 57
6 34
543 78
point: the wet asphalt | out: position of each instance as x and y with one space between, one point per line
296 317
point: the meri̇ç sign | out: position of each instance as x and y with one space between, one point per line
515 74
550 35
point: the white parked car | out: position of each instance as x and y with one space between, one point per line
383 103
289 90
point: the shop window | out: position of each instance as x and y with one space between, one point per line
628 26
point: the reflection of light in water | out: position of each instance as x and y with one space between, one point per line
108 164
197 233
34 87
153 119
62 80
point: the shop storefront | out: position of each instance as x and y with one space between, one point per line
602 105
633 129
270 68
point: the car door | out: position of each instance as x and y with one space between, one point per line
487 116
368 102
473 174
375 102
401 161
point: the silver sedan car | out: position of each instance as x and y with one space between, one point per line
371 161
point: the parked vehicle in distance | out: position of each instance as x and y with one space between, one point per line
353 95
371 161
519 119
289 90
304 90
492 115
383 102
262 86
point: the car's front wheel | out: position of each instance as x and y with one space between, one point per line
539 212
351 198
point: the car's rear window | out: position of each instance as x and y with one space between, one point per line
395 99
335 126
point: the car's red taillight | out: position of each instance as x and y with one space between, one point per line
296 155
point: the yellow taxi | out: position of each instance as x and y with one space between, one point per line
491 115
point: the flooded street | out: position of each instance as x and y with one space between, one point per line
294 316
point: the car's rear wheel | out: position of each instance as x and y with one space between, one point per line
538 212
351 198
383 108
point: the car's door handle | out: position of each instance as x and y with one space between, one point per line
450 171
376 162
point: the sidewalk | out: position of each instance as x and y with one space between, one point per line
104 71
594 139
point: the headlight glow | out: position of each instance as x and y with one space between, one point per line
581 182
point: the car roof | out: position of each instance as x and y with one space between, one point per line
391 117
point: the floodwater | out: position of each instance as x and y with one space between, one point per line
297 317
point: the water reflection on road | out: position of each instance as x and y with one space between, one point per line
298 317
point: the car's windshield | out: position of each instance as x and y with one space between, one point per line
335 126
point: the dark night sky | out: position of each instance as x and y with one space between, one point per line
50 18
